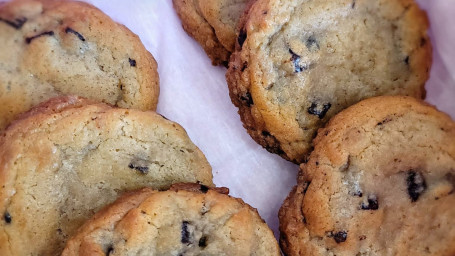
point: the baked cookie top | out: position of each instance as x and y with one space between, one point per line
189 219
380 181
298 63
213 24
68 157
51 48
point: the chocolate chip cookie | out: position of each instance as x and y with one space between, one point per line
298 63
380 181
213 24
68 157
189 219
52 48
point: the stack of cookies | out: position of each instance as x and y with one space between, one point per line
78 130
337 87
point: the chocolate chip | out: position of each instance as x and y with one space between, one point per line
110 250
296 60
132 62
7 217
135 165
242 37
386 120
185 233
28 40
318 109
406 60
353 4
362 237
17 23
266 133
247 99
70 30
311 43
372 203
294 56
416 185
204 188
203 242
340 236
358 193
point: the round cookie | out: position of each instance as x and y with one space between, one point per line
213 24
380 181
189 219
298 63
68 157
52 48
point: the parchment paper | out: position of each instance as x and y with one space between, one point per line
195 94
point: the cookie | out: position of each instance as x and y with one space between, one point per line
189 219
54 48
380 181
213 24
298 63
68 157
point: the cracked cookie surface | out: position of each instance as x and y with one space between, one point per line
213 24
189 219
298 63
52 48
68 157
380 181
